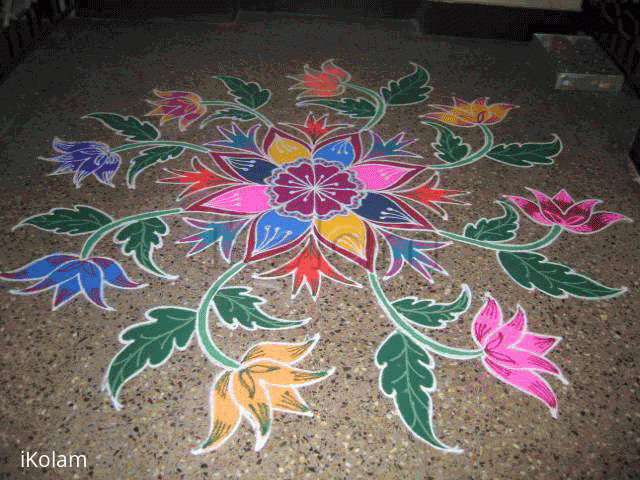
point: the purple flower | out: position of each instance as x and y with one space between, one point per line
85 158
71 275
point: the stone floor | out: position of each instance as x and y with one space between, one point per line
54 360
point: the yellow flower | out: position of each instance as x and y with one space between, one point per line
464 114
265 381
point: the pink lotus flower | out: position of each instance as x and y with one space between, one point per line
562 210
515 355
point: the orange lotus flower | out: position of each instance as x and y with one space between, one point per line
265 381
328 82
473 114
183 105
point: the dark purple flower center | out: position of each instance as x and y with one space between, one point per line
309 189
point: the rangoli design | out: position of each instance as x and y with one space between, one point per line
307 190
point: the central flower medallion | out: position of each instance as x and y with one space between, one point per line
307 189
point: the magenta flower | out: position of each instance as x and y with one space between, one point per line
306 189
514 355
185 106
563 211
71 275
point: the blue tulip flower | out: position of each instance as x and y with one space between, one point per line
84 159
71 275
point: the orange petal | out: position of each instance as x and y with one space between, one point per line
282 352
276 373
500 110
449 118
255 404
225 416
168 117
288 400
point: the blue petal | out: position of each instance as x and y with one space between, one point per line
274 230
108 169
62 146
113 273
60 275
91 282
65 292
339 151
253 169
378 208
224 232
38 268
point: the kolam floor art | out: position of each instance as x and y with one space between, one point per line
295 247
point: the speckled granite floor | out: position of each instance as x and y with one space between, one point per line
431 387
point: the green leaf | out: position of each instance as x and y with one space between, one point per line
527 154
130 127
149 157
430 314
76 221
355 108
249 94
409 89
532 270
232 113
150 343
236 307
140 238
497 229
406 376
449 147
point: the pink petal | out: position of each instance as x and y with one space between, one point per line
563 200
530 209
236 200
518 359
534 343
598 221
527 382
548 208
384 176
488 319
512 331
580 212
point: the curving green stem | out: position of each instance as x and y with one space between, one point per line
381 105
160 143
488 145
554 233
239 106
100 233
405 328
202 328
